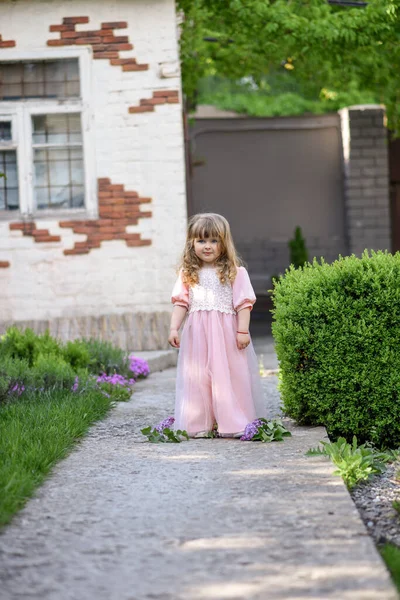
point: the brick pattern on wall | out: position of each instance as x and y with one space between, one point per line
29 229
159 97
4 264
7 43
367 181
104 42
117 209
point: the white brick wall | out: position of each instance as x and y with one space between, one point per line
144 152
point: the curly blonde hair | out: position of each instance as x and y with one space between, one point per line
209 225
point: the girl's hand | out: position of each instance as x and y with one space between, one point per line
173 338
242 340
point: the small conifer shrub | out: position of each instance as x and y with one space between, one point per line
298 250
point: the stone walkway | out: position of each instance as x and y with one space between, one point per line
122 519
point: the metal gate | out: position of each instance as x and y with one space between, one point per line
267 176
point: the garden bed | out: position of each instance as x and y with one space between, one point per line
50 394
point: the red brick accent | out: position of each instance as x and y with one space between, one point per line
29 228
117 209
7 43
159 97
104 42
4 264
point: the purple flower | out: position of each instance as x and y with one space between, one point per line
251 430
76 384
139 366
166 424
17 389
116 379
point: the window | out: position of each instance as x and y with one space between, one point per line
58 160
40 79
8 167
43 143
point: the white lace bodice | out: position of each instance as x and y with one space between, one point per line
211 294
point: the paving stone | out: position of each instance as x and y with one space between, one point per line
122 519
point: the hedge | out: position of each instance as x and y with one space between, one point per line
337 334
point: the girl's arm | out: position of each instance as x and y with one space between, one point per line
243 322
178 316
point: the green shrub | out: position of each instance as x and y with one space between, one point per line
96 355
106 358
298 250
337 334
49 373
27 344
76 354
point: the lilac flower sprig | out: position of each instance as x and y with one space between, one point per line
265 431
139 367
163 432
166 424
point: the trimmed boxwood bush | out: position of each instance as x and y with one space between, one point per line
337 335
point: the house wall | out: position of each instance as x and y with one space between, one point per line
108 272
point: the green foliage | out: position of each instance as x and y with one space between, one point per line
77 354
48 373
95 355
106 358
27 345
326 47
278 95
396 506
35 433
337 333
298 250
355 463
391 555
164 436
271 431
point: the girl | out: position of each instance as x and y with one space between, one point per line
217 375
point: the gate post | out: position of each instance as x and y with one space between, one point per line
366 171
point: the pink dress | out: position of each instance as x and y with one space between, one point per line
216 382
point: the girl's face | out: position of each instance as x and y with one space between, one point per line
207 249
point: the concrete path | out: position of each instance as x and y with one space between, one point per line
122 519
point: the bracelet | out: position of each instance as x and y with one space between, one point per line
244 332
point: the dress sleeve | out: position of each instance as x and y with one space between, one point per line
180 293
243 293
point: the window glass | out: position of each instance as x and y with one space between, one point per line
9 198
5 131
39 79
57 129
59 178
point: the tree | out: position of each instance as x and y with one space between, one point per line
326 46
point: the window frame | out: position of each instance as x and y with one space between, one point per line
20 112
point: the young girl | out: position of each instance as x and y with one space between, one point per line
217 377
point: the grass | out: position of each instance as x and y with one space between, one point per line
36 431
391 556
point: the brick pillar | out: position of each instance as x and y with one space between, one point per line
366 166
